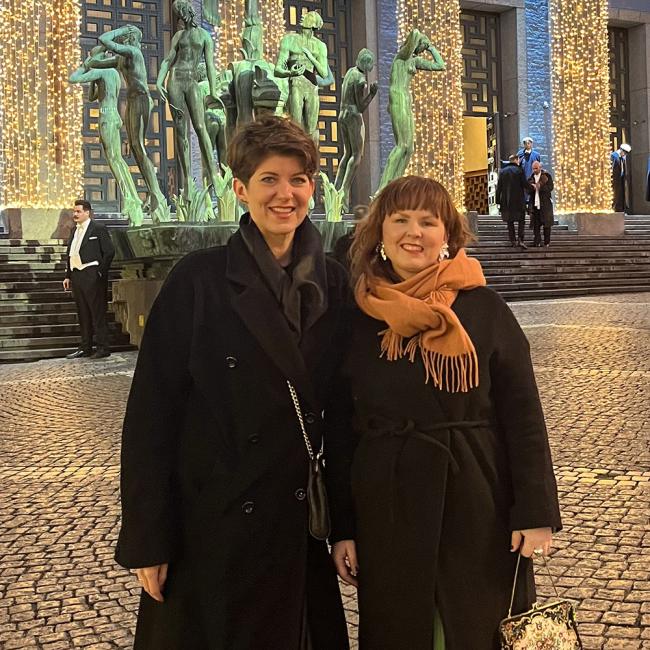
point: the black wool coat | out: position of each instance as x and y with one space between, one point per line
438 482
511 192
214 467
545 201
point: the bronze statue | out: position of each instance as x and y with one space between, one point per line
352 129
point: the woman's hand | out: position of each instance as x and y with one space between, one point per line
530 540
152 579
344 554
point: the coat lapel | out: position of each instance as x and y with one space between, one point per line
261 314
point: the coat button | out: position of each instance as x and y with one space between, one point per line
248 508
253 439
310 418
300 494
231 362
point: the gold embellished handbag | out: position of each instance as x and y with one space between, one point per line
545 627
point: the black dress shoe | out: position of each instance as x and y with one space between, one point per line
77 354
521 244
101 354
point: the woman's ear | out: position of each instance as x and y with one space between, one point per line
240 190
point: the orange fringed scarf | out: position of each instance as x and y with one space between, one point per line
419 309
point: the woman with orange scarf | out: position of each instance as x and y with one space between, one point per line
448 474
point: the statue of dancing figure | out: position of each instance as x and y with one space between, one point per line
354 102
400 102
105 88
179 69
126 43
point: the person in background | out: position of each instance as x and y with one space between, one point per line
447 474
88 261
540 185
527 156
512 186
618 160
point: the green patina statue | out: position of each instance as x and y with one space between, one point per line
303 60
125 42
254 87
400 103
178 84
352 130
215 115
105 88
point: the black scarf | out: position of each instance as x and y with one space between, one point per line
301 287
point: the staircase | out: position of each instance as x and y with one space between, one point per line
573 265
38 320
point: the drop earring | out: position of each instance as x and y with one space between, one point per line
444 252
381 251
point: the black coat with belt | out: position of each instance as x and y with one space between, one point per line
511 191
214 467
438 482
545 201
96 246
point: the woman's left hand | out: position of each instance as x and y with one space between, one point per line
530 540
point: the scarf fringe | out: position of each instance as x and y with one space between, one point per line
454 374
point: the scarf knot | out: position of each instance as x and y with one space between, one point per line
420 319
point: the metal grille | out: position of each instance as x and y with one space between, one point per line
481 73
619 86
154 19
336 33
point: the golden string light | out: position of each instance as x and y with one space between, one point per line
437 96
41 162
227 37
581 95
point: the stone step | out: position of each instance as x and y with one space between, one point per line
11 251
70 339
542 294
641 277
568 272
553 253
53 330
39 318
32 257
35 296
21 307
585 284
54 352
31 287
31 242
619 262
33 266
40 276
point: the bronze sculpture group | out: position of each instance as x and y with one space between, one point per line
217 102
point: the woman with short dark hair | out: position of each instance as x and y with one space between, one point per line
214 463
449 471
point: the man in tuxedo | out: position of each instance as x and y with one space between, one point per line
88 259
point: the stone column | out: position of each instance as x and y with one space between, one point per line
639 40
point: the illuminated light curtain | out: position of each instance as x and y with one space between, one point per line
41 162
437 96
228 36
580 87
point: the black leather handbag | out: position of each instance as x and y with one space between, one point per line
319 514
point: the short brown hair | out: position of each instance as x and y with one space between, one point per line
270 135
406 193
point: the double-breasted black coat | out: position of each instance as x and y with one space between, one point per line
214 467
438 482
511 191
545 200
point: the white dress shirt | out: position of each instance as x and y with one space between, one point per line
75 258
538 204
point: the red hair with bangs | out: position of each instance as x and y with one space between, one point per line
405 193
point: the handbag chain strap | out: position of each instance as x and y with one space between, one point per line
514 584
296 405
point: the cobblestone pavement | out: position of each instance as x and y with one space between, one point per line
59 585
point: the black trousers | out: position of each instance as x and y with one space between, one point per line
537 227
521 228
90 293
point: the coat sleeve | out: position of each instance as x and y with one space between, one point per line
520 418
154 415
107 251
340 440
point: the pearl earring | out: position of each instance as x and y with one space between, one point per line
444 252
382 251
